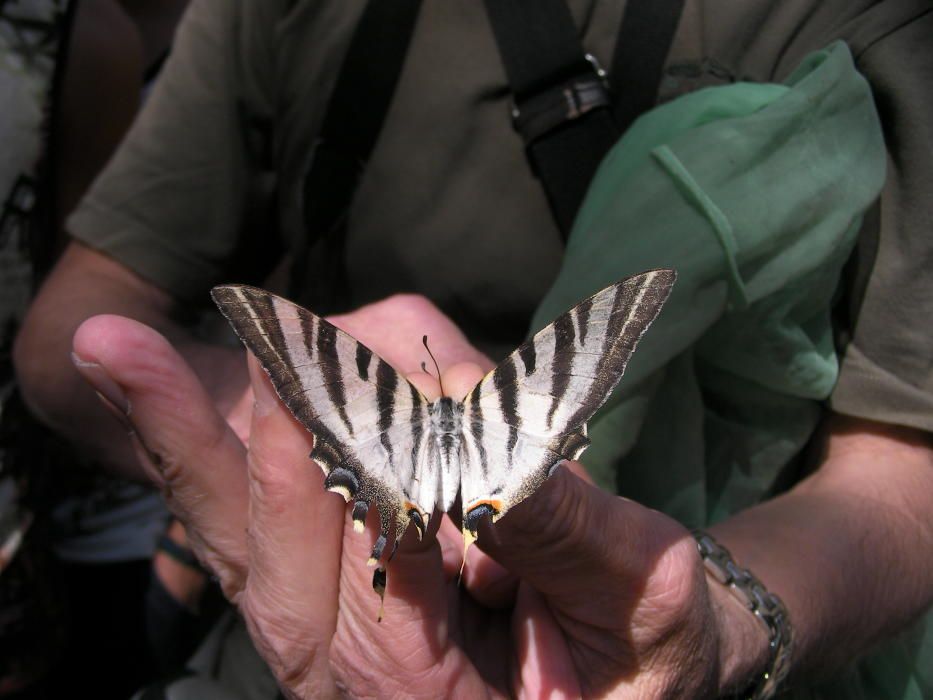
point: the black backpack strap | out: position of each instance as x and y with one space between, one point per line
645 38
562 105
354 118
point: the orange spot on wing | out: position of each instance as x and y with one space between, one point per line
493 503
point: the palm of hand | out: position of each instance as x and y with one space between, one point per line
565 630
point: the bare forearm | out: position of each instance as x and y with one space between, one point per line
850 549
56 391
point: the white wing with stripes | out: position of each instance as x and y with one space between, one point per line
370 425
530 412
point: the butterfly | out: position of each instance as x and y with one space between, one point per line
381 443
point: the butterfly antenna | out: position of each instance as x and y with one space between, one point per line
424 341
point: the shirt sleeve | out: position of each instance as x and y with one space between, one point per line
171 202
887 365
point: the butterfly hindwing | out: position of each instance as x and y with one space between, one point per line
530 412
369 423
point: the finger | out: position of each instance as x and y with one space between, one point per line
460 378
393 328
373 655
295 535
545 667
426 384
416 588
578 470
240 415
415 606
450 540
488 581
189 450
568 539
576 543
623 582
409 555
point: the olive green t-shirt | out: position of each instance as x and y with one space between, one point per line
211 173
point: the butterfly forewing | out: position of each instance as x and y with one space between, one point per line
531 411
369 423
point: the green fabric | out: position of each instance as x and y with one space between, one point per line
754 193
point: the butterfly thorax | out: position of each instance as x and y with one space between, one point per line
446 415
446 419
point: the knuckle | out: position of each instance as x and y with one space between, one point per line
169 466
271 482
227 571
675 586
228 578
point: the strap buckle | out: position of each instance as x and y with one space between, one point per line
572 99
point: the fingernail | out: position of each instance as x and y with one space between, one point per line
115 401
263 393
107 389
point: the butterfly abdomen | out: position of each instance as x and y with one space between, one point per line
446 420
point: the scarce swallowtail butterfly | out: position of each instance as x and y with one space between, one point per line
381 443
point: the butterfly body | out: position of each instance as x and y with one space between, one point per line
446 426
381 442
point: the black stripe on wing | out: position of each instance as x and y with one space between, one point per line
582 314
527 355
562 362
331 371
385 401
476 428
505 379
363 358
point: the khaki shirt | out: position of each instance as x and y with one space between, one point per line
211 174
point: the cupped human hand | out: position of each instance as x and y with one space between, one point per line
586 594
574 593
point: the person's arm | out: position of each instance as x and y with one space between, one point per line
849 549
103 67
156 21
163 215
85 283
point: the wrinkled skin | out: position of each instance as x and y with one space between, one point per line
575 592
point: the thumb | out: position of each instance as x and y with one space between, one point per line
569 535
184 443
